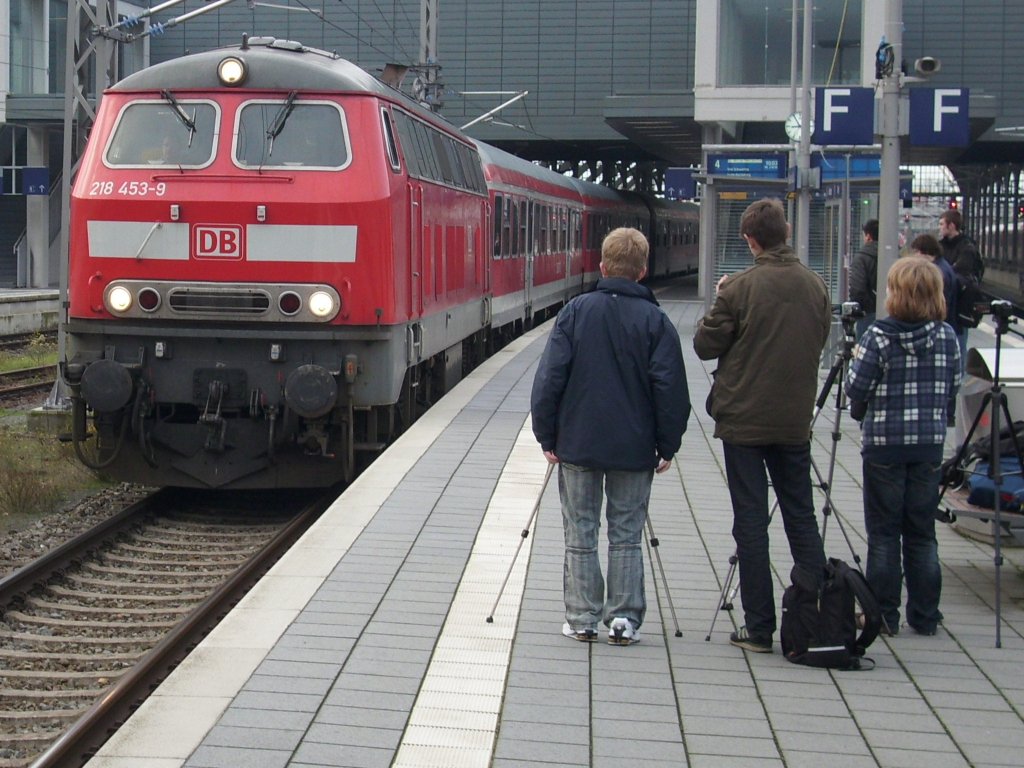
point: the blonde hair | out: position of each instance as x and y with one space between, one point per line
914 292
624 253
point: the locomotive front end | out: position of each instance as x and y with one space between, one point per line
222 330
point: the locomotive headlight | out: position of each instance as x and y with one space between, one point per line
321 304
231 71
119 299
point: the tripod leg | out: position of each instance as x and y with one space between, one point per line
825 484
724 604
729 591
522 539
652 540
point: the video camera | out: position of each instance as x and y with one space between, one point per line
850 310
999 308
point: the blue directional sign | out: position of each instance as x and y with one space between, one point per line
680 184
939 117
769 165
844 116
907 191
35 181
834 166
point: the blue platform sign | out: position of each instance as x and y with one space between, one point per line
680 184
769 165
834 166
35 181
939 117
844 116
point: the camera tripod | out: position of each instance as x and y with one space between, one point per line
837 373
954 473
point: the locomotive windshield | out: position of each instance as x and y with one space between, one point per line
166 133
291 134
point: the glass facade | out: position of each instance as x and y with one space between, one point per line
755 42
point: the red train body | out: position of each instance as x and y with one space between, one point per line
277 262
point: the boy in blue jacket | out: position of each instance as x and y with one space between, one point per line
904 372
609 404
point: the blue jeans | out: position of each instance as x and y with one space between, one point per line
628 493
790 469
899 503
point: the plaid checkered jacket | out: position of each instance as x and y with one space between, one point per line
906 373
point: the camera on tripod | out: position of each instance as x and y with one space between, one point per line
999 308
849 313
850 310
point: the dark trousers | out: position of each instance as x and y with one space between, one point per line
789 467
899 513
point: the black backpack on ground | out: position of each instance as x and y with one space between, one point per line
819 625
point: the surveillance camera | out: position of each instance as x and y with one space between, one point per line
927 65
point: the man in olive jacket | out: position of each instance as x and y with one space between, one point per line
767 327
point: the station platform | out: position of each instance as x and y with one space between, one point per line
28 310
367 644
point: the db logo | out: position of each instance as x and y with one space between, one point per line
216 241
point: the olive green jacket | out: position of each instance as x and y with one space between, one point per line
767 327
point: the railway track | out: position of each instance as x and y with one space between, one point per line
25 382
24 340
87 631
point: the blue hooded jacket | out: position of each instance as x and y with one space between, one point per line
610 391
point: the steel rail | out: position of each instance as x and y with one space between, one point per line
81 741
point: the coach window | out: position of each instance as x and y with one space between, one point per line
291 134
542 229
515 228
506 234
164 133
524 222
498 200
389 140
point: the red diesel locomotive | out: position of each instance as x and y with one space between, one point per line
277 262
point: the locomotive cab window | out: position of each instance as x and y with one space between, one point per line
164 133
291 134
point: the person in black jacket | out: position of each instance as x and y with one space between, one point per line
962 254
864 276
610 405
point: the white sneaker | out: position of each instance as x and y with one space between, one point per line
583 635
622 632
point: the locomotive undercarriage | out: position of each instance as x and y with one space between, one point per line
229 426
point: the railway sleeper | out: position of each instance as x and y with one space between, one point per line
66 608
193 571
67 641
61 623
7 653
127 587
190 597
